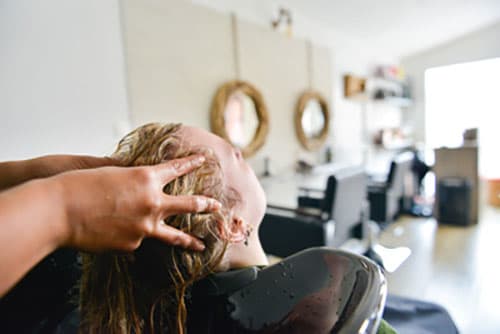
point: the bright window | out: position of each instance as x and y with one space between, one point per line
464 96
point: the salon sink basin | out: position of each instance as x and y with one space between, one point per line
318 290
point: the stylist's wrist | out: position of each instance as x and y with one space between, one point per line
59 223
71 207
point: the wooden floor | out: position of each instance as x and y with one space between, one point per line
457 267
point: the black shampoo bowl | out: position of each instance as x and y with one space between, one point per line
318 290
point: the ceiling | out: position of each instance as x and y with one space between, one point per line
401 27
395 27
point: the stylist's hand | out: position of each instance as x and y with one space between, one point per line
117 207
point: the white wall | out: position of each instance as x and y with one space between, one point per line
482 44
62 86
62 82
349 55
178 53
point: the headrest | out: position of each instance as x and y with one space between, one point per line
225 283
318 290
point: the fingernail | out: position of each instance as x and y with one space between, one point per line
215 205
200 246
199 160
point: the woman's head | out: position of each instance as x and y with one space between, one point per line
144 291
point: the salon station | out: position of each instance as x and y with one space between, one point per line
373 128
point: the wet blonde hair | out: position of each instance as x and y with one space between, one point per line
145 291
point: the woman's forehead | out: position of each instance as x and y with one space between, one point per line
200 137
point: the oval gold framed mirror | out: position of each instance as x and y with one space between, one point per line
312 120
239 115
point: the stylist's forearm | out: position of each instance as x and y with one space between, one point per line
13 173
33 224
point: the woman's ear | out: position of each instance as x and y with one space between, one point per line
238 229
236 232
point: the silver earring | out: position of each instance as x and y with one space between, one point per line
247 234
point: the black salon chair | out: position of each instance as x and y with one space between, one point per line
318 290
319 201
386 196
342 201
284 232
43 297
328 220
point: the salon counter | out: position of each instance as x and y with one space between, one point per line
283 189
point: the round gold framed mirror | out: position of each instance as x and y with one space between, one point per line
239 115
312 120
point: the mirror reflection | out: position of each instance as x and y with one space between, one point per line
313 119
240 119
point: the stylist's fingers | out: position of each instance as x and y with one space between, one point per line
171 170
175 237
189 204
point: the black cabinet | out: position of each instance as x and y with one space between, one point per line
454 205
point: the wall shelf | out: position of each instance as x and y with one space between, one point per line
383 102
359 89
401 102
